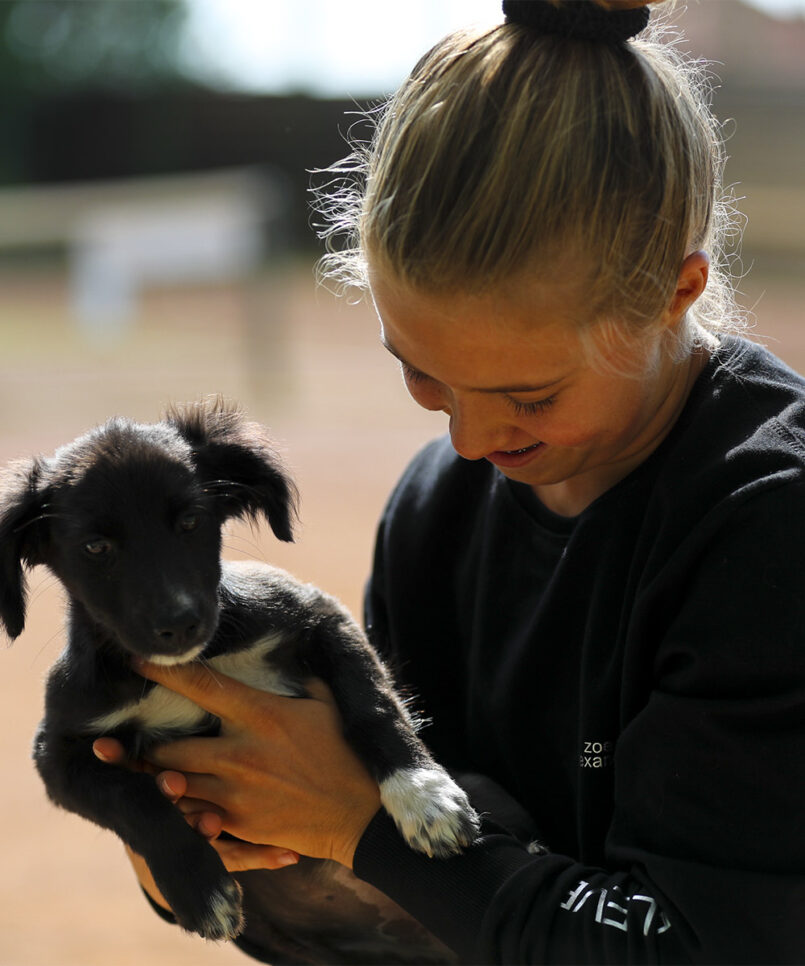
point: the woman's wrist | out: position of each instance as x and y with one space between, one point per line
347 845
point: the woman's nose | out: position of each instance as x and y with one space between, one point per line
474 432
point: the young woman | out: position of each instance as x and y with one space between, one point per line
594 585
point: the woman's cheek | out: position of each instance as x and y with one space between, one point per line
556 429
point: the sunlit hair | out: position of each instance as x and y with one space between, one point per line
507 151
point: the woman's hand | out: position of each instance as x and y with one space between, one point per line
280 772
204 817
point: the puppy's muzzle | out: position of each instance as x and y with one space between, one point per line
180 633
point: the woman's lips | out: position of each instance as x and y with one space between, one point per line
511 459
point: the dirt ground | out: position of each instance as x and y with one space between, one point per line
300 361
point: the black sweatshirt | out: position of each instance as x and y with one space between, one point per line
634 676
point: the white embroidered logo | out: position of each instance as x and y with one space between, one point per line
614 908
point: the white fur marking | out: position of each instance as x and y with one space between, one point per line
159 710
165 710
167 660
225 918
431 811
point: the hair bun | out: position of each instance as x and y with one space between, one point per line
577 19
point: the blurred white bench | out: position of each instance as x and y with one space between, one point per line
122 236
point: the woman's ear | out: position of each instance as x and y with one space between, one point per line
690 283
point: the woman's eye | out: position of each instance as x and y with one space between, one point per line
412 375
532 408
96 548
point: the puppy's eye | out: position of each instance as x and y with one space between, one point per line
189 521
96 548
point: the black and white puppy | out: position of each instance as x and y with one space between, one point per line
128 517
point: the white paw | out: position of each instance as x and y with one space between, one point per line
433 814
223 918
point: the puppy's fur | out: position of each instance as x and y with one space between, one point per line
129 517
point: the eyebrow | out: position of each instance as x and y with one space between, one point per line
490 389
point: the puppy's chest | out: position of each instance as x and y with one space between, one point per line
163 712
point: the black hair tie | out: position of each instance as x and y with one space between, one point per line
577 19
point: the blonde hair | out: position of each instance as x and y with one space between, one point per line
506 149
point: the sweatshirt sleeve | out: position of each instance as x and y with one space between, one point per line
705 851
496 903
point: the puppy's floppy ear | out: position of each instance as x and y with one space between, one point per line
238 463
23 528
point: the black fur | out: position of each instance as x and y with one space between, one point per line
128 517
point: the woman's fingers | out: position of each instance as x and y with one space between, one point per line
201 814
208 789
109 750
172 784
203 817
280 770
240 856
220 695
206 823
186 754
112 752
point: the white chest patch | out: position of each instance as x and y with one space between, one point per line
163 710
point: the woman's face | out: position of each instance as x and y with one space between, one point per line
509 370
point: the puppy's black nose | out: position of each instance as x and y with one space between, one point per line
179 631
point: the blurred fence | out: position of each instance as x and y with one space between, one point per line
125 236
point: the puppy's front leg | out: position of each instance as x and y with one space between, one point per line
431 811
202 895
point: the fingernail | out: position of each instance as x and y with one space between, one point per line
100 755
165 785
208 827
287 858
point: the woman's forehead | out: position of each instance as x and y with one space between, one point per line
501 341
520 307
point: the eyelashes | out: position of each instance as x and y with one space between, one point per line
531 408
412 375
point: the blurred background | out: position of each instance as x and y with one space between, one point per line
156 245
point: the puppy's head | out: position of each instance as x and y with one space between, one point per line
129 518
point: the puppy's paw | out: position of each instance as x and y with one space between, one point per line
202 895
223 916
433 814
216 915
